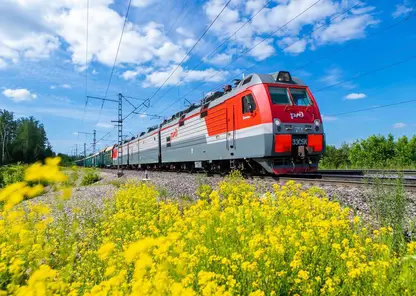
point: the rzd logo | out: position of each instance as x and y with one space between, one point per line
174 134
296 115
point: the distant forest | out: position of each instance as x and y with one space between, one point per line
22 139
376 152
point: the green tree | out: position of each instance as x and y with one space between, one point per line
336 158
7 131
31 143
376 151
403 152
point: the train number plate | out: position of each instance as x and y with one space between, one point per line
299 141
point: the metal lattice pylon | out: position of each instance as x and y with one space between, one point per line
120 135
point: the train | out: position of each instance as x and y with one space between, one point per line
263 123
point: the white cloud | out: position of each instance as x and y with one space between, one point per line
401 10
66 86
284 21
94 72
335 76
19 95
344 29
131 75
355 96
399 125
3 64
157 78
142 3
274 18
23 32
105 125
328 118
32 30
221 59
263 50
292 45
185 32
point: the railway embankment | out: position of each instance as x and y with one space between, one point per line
357 194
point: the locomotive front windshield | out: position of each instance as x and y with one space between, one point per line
281 96
300 97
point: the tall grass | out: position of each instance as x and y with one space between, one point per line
389 205
11 174
90 176
230 242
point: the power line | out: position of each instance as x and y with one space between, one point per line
115 60
173 24
366 73
232 62
382 30
193 47
86 61
410 14
216 49
372 108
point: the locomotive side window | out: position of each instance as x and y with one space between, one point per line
300 97
249 104
279 95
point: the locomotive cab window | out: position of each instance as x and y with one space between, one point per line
279 95
300 97
249 104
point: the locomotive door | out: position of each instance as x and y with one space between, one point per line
230 138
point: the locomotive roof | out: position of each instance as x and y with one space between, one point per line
248 81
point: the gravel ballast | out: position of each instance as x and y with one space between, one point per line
91 199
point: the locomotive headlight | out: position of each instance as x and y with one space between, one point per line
277 121
317 123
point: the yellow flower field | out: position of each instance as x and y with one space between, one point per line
230 242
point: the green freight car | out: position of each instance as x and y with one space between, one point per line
108 156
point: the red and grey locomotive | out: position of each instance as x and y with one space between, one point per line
266 123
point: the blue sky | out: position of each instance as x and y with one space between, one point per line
43 60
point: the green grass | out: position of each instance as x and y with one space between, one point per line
90 176
11 174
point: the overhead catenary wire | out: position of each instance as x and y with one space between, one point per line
366 73
373 108
232 62
184 58
86 61
382 30
192 48
180 13
115 60
204 59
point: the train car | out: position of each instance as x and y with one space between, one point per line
133 153
266 123
88 161
125 154
114 156
108 156
99 159
149 148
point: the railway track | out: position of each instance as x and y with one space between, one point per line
367 172
336 177
408 184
